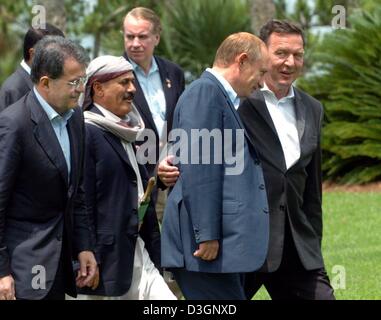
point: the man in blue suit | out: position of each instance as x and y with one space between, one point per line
43 219
214 229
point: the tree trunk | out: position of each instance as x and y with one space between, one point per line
55 12
261 12
97 43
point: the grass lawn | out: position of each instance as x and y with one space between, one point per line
351 245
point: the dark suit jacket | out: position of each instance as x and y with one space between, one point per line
14 87
38 206
207 203
111 198
172 78
294 194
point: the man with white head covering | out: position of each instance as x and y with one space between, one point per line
128 255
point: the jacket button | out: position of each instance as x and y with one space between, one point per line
266 211
257 162
262 187
282 207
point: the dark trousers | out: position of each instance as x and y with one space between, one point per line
291 281
210 286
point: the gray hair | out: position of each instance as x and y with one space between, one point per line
51 52
146 14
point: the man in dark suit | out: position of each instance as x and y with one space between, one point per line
114 186
159 84
284 124
43 220
19 83
214 229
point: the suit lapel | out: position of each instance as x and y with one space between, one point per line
46 137
257 102
114 141
167 85
230 104
300 114
142 104
261 107
117 146
74 147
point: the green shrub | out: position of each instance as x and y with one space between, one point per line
346 78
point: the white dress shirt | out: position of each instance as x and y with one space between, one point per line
282 113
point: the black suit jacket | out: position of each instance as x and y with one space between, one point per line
15 87
111 198
39 205
294 194
172 78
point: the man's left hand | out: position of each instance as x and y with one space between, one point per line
207 250
87 272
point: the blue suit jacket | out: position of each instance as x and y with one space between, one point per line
39 205
207 204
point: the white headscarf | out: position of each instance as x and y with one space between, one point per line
102 69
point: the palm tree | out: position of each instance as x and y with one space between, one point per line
14 20
347 79
261 12
193 30
55 12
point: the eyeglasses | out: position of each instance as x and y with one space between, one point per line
78 82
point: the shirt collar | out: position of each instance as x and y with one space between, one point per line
290 95
137 68
24 65
51 113
229 89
